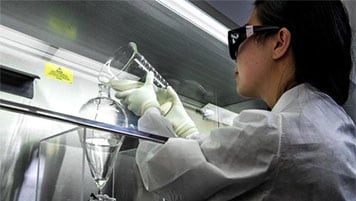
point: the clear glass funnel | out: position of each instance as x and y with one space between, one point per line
101 147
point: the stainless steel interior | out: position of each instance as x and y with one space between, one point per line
194 62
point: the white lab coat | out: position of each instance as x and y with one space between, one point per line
304 149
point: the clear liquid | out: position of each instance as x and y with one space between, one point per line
101 154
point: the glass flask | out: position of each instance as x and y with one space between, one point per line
105 109
101 147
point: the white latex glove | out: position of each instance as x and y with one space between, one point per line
172 108
138 100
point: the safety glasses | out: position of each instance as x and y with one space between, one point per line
237 36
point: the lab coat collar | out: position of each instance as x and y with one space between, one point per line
288 97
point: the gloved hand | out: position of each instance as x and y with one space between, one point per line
172 108
137 99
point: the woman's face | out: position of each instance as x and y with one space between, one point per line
253 64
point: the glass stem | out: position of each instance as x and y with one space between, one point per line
104 90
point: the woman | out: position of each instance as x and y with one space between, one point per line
296 56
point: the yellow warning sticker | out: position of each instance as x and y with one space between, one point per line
58 72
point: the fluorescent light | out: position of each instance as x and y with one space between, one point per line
197 17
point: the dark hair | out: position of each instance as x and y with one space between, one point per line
321 41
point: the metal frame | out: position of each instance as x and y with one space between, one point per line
39 112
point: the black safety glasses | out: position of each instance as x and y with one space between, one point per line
237 36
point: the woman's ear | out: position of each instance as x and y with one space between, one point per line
282 43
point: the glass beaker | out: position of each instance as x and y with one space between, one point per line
128 64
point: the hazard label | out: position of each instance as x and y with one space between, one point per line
58 72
